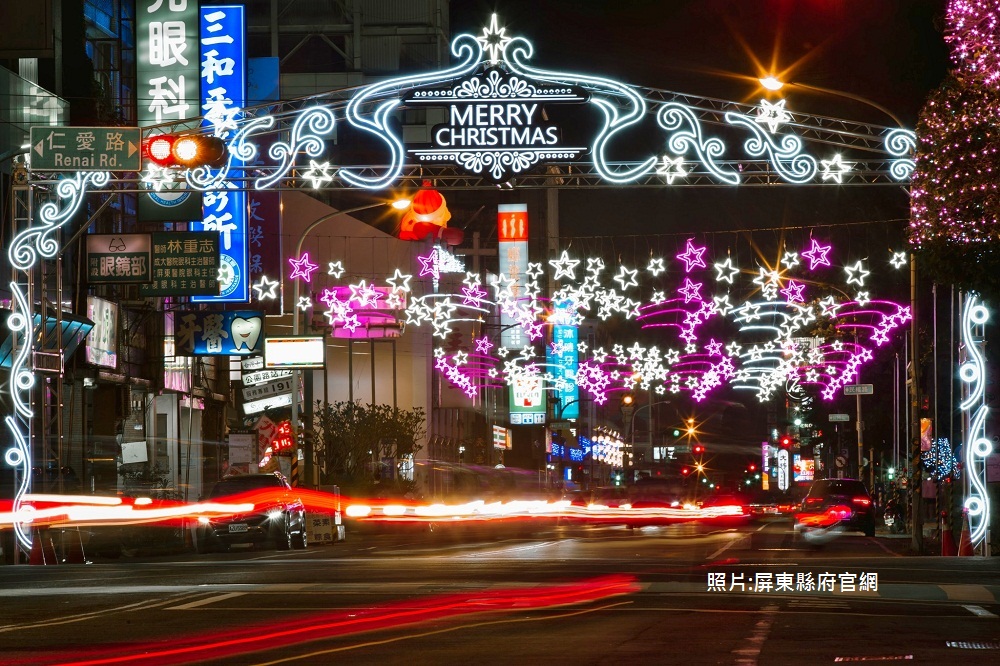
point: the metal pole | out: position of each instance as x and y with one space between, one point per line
350 370
371 349
861 446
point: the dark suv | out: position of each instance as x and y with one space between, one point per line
278 514
850 496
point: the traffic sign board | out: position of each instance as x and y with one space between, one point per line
859 389
840 462
85 149
839 417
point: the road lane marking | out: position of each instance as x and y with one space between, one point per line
978 611
883 547
738 539
80 617
754 643
968 593
206 601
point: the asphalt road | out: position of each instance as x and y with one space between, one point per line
570 595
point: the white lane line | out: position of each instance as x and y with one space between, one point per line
978 611
738 539
80 617
206 601
748 654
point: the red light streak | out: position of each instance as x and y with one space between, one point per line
264 636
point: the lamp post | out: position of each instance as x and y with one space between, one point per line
398 204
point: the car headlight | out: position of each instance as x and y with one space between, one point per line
274 514
204 520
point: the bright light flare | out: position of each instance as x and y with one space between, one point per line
771 83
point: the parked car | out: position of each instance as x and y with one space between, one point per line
278 515
845 500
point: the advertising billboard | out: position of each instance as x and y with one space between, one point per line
300 351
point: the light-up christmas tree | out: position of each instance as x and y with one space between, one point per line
955 196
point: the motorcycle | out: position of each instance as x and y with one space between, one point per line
893 517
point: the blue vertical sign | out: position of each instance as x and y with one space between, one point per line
562 359
223 95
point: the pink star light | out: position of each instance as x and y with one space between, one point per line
692 257
817 254
302 268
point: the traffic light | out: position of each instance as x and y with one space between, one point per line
786 442
685 471
697 449
185 150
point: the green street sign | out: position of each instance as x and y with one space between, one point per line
85 149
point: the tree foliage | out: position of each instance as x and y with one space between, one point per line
350 436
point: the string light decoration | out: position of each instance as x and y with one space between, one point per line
955 195
940 461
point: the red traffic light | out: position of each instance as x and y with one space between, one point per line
697 449
753 467
786 442
685 471
191 150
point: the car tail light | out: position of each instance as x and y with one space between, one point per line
863 501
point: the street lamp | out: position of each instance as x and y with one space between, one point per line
774 84
398 204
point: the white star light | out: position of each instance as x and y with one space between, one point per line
494 40
658 297
266 289
304 303
460 358
671 169
318 174
626 278
835 169
772 115
790 260
336 269
858 279
722 304
726 271
565 267
157 177
595 265
400 281
898 260
862 298
655 266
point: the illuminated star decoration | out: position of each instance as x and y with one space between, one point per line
302 268
318 174
856 274
817 255
671 168
336 269
429 265
483 346
898 260
793 292
790 260
835 169
304 303
692 257
691 291
494 40
266 289
400 281
157 177
655 266
772 115
626 278
726 271
565 267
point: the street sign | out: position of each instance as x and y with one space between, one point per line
859 389
839 417
840 462
85 149
266 390
262 376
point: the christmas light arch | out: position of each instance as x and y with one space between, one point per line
707 142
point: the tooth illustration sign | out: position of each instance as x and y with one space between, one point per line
246 333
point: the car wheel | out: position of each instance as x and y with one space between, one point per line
301 540
284 538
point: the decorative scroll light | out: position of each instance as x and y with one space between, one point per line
978 448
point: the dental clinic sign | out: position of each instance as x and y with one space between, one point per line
497 125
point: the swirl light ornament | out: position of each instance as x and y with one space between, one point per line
973 373
308 130
672 117
787 157
901 144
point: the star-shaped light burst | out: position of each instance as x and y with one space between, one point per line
899 259
494 40
266 289
302 267
835 169
856 274
793 292
691 291
400 281
336 269
655 266
817 254
726 271
692 256
318 174
626 277
671 168
565 267
772 114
